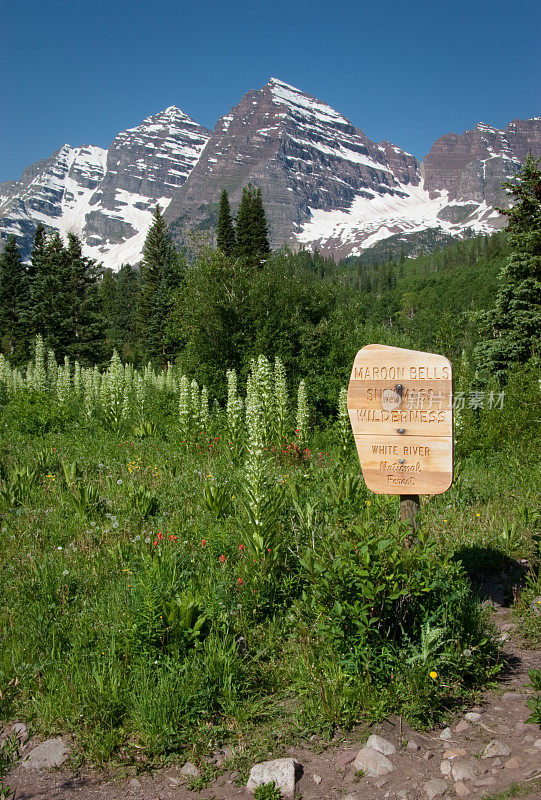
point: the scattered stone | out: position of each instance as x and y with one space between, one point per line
346 758
462 727
508 627
523 727
189 770
435 787
504 637
21 732
514 763
537 744
495 748
381 783
463 772
381 745
529 738
317 779
413 745
428 755
472 716
445 767
173 781
351 796
455 752
446 733
462 790
497 762
511 696
373 763
402 793
281 771
490 781
135 785
48 754
504 728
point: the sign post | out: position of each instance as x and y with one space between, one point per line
401 412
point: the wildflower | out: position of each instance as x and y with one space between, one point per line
160 535
240 582
368 502
203 543
241 547
445 520
433 675
155 542
478 515
222 559
119 481
173 538
65 572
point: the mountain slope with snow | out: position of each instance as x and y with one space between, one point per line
325 184
105 196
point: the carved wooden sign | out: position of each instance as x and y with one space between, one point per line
401 412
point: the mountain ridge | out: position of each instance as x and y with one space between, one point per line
325 184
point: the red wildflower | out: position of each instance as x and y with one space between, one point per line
240 581
155 543
173 538
160 535
222 559
203 543
241 547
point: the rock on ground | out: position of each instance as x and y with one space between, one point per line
372 763
50 753
381 745
496 748
434 788
282 771
189 770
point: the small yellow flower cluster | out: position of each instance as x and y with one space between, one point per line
133 466
433 675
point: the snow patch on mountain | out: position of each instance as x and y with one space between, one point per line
370 219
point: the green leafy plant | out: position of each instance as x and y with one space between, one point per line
144 501
534 703
216 498
267 791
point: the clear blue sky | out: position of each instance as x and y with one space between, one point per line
81 71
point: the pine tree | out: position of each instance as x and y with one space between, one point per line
252 234
244 247
260 234
161 274
51 294
513 327
87 334
225 229
14 297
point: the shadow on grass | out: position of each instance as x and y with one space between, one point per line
494 576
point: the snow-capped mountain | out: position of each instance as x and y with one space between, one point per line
325 184
105 196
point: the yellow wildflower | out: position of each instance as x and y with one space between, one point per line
433 675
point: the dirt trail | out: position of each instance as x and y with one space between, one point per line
427 767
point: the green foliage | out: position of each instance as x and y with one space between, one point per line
534 703
512 327
267 791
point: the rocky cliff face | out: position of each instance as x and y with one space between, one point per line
325 184
105 196
301 152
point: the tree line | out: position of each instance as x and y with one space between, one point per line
239 299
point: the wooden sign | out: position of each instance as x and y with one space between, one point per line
401 412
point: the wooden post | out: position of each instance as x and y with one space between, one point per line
409 506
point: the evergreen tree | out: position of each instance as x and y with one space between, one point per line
225 229
161 273
513 327
243 247
119 296
85 314
252 234
14 298
51 294
260 233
